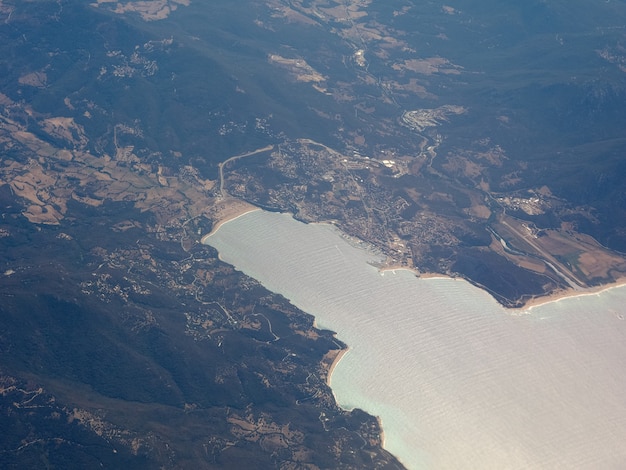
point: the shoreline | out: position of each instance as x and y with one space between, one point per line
340 355
382 433
418 274
232 209
558 296
331 361
533 301
331 368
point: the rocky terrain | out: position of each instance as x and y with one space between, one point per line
477 141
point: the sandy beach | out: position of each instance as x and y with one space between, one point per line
570 293
231 208
472 382
531 302
226 210
338 357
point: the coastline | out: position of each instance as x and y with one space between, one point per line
227 210
382 432
340 355
419 274
232 208
570 294
533 301
443 288
333 364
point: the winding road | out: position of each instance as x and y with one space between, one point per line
221 165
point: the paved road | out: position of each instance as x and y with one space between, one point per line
236 157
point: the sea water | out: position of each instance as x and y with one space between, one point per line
457 380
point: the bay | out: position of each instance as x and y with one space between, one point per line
457 380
